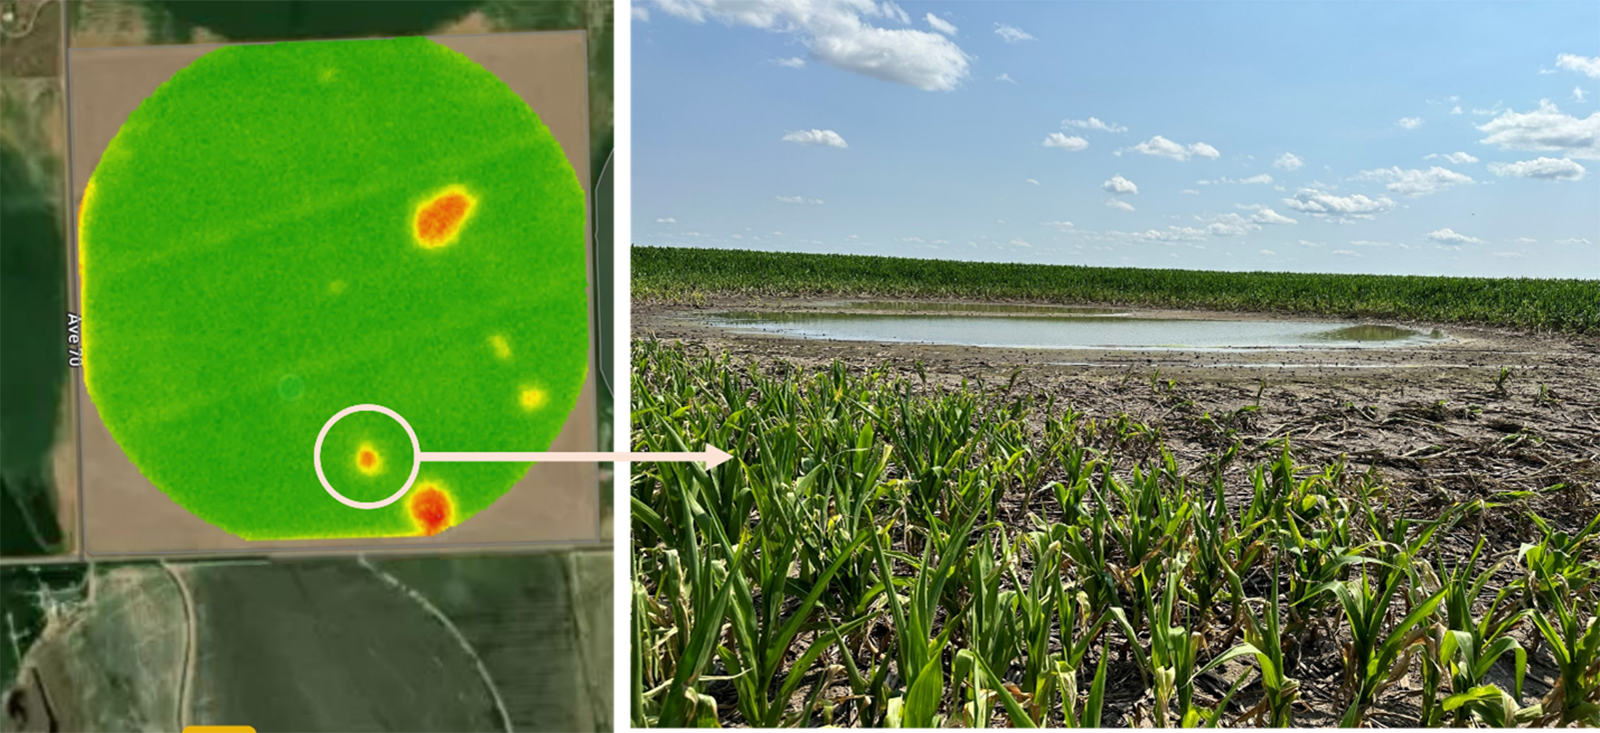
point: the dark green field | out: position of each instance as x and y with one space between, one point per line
675 274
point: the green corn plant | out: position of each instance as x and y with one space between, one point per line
1575 645
1470 644
1561 560
1264 641
918 649
1378 653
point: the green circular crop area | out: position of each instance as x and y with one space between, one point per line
284 231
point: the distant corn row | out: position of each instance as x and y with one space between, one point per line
677 274
883 553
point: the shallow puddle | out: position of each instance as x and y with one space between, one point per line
1072 332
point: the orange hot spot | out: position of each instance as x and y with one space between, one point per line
439 219
431 508
368 460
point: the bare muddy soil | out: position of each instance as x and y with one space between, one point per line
1511 419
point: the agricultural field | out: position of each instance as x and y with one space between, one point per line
688 275
1397 536
489 642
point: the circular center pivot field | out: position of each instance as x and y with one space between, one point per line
283 231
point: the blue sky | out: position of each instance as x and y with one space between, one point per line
1404 138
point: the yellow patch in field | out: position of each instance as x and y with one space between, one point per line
533 398
502 350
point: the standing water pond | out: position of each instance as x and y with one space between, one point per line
1049 327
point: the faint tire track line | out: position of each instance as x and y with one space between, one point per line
190 646
466 646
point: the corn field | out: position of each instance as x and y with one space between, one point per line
886 552
688 275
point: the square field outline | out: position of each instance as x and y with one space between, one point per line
122 514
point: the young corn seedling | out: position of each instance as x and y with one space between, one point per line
1264 640
1470 645
1575 644
1379 653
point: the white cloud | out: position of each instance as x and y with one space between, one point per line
1268 216
1574 240
1305 243
1448 236
1455 110
1577 94
816 137
1410 123
1550 169
1094 123
1415 182
1269 253
913 240
1228 225
838 34
1118 184
1343 208
1062 225
1262 179
1032 181
1288 162
667 220
1190 192
941 25
1005 77
1020 242
798 200
1457 158
1347 253
1524 240
1164 148
1011 34
793 62
1058 140
1587 65
641 13
1546 129
1115 204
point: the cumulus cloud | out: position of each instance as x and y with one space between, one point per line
1455 110
1449 236
1410 123
1164 148
798 200
1577 94
1058 140
1545 129
1094 123
1550 169
1342 208
1011 34
1573 240
667 220
1288 162
1119 185
1115 204
1587 65
840 34
1268 216
1262 179
793 62
1020 242
641 13
1415 182
1457 158
941 25
816 137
